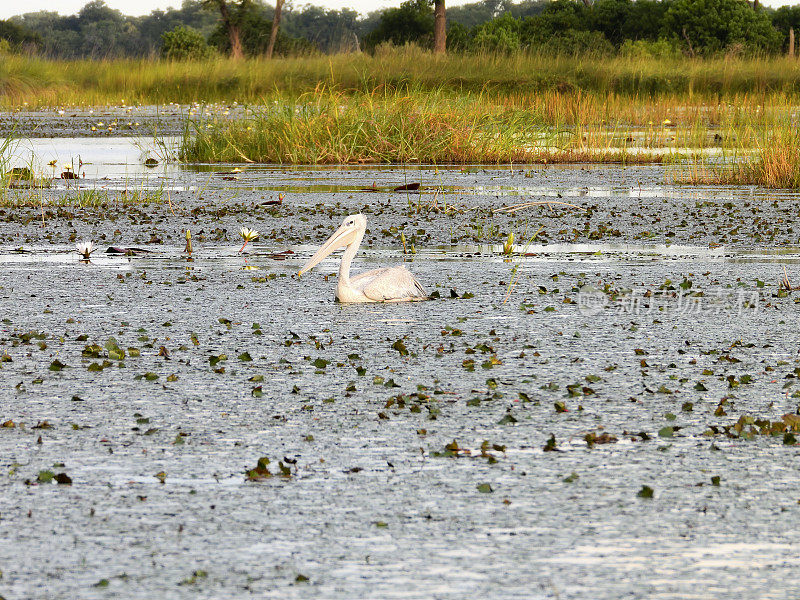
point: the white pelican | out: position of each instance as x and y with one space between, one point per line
390 284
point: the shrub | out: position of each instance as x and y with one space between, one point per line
714 26
184 43
643 49
574 42
411 22
498 35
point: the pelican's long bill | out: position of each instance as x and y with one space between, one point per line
340 238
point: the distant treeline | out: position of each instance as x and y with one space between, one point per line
601 27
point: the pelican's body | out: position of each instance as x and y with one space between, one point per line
390 284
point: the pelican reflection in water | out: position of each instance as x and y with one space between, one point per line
390 284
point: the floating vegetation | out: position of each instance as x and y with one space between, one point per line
92 198
262 471
236 410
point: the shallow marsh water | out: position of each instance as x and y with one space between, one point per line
414 434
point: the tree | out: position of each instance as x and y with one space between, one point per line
501 35
191 14
16 36
330 30
459 38
97 10
412 22
784 19
612 18
105 32
477 13
710 26
232 12
558 17
276 21
527 8
184 43
255 26
439 27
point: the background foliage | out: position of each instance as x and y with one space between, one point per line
605 27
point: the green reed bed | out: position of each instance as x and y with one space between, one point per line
327 127
26 81
773 161
735 143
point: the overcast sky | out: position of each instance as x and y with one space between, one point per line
9 8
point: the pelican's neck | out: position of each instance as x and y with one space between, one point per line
347 258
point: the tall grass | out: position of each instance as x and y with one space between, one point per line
416 124
90 198
329 126
774 163
406 105
40 82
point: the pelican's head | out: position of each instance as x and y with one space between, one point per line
351 229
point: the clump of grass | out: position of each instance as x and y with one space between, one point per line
414 123
777 164
774 162
91 198
97 198
406 105
392 126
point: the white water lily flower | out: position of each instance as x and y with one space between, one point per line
85 249
248 235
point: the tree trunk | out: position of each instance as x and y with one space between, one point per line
236 42
689 42
276 21
233 31
439 28
791 42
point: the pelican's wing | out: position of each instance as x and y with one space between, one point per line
395 284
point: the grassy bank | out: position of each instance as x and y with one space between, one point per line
406 105
40 82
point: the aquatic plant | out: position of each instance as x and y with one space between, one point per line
508 245
85 249
248 235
